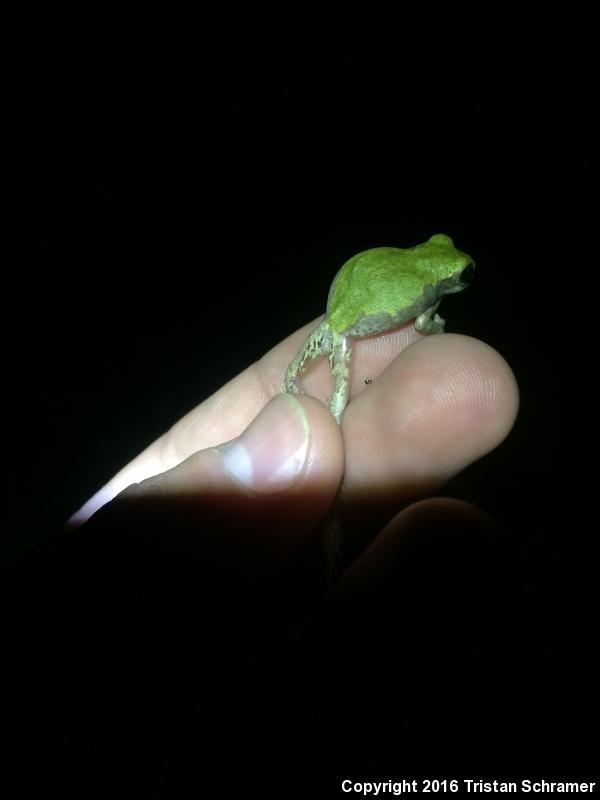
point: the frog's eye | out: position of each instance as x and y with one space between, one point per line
467 274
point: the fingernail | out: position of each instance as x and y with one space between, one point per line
270 454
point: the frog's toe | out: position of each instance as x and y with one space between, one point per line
292 384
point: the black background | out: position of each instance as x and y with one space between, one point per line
184 210
184 202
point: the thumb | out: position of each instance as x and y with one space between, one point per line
181 561
241 508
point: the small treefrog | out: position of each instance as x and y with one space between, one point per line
377 290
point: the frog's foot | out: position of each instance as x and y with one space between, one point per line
429 321
292 384
291 381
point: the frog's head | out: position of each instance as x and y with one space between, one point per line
453 269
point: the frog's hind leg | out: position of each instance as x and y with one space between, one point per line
339 358
318 343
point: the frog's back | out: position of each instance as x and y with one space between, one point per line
384 282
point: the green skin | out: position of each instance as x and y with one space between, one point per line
377 290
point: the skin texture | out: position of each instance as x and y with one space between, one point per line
375 291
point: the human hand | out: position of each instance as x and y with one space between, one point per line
184 622
260 469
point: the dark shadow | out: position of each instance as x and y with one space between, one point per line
145 653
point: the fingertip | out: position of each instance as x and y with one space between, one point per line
440 534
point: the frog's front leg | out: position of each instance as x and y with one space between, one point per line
429 321
339 358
